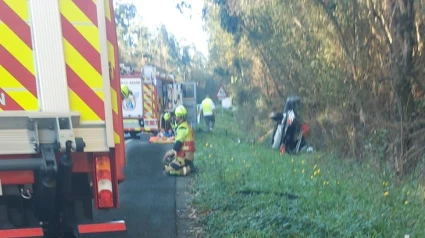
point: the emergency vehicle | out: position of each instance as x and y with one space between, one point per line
61 132
150 93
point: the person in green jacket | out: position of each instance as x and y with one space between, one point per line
208 110
128 101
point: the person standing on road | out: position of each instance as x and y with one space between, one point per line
208 110
179 160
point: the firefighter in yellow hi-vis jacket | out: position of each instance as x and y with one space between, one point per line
179 160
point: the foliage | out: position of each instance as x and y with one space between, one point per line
245 190
359 59
139 46
357 64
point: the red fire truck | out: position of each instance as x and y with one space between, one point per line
61 133
150 93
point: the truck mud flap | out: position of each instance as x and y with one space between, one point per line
117 227
25 232
84 230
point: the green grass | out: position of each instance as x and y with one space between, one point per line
245 190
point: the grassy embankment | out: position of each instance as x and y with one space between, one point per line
245 190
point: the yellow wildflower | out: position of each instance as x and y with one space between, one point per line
311 177
406 202
386 193
302 171
407 193
206 144
209 156
315 166
302 161
318 171
232 159
327 182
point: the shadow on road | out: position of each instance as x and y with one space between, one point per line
147 197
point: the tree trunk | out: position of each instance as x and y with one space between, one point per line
402 57
403 30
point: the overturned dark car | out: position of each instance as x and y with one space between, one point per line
289 134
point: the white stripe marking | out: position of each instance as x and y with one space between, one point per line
128 141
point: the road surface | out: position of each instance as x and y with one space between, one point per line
147 197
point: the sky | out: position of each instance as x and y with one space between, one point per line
187 30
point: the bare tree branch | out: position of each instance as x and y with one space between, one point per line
341 39
382 24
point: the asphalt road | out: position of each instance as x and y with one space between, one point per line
147 196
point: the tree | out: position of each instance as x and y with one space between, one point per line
138 45
125 13
361 59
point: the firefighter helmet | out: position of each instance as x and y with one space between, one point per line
180 111
167 116
125 91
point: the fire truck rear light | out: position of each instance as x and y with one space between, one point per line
105 196
104 184
151 123
103 163
104 174
105 199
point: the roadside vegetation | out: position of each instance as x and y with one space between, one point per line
358 67
249 190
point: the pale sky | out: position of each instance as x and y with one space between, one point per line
186 30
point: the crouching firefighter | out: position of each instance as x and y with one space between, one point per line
179 160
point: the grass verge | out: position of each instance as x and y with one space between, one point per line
245 190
